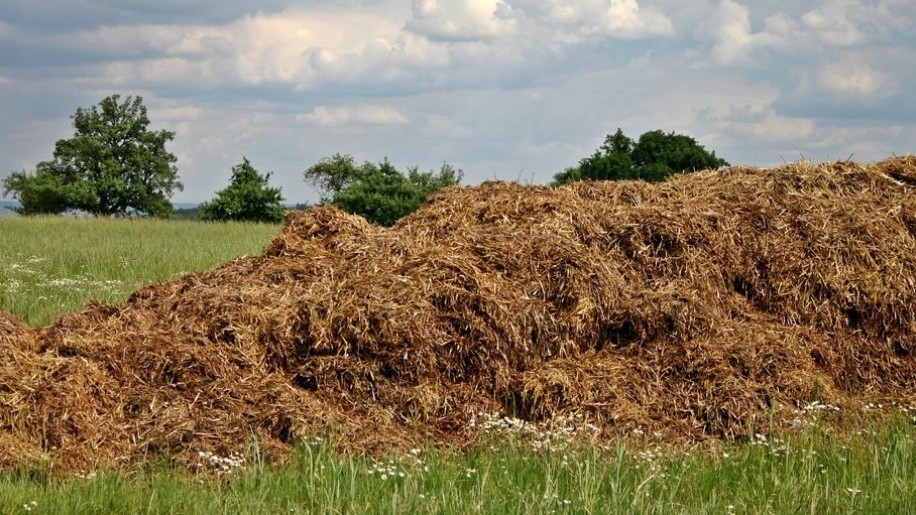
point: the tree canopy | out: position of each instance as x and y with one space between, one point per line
378 192
112 166
247 198
654 157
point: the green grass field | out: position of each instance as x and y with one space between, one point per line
807 473
51 266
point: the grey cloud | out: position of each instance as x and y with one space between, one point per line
35 53
69 15
896 109
19 54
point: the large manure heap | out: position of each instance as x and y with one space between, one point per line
696 307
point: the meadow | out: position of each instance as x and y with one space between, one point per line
52 266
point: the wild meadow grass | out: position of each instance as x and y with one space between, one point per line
810 472
51 266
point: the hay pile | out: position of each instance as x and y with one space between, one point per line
692 307
11 330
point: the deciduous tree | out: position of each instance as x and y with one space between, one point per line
113 165
248 197
654 157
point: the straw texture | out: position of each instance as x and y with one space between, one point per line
693 307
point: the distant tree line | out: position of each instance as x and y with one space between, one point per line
114 165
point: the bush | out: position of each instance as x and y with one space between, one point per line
379 193
655 157
247 198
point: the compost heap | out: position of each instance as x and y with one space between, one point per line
693 307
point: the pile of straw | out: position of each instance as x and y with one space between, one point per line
11 330
696 307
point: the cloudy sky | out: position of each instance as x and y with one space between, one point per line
504 89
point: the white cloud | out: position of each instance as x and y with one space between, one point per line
299 48
358 115
830 23
574 20
626 18
282 48
733 39
833 23
732 32
771 126
760 121
461 20
848 77
405 60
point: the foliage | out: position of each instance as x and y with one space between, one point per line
655 157
247 198
332 174
186 213
379 193
112 166
42 193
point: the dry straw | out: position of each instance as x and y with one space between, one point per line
696 307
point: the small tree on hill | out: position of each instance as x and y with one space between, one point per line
113 165
247 198
654 157
379 193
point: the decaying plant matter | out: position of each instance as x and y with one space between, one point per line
692 307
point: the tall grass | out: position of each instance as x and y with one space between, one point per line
811 472
51 266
